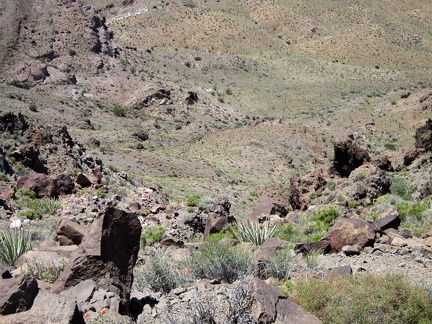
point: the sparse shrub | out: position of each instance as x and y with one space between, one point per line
280 264
253 231
37 207
221 99
311 260
363 299
119 111
228 91
46 205
72 52
151 234
287 232
352 204
221 261
399 187
197 58
331 185
193 200
46 272
13 243
359 174
390 146
157 273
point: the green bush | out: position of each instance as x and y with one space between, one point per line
323 218
119 111
407 209
399 187
13 243
151 235
37 207
216 237
30 214
221 261
193 200
363 299
157 273
253 231
280 264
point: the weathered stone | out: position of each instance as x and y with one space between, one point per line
347 157
107 255
268 206
322 246
271 306
423 136
350 231
389 219
73 231
405 233
428 242
350 250
269 248
340 271
156 208
216 223
398 241
82 180
41 184
168 241
64 184
17 294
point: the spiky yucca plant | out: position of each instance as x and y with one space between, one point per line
254 232
13 243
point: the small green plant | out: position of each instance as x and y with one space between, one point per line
46 205
193 200
221 261
390 146
45 271
253 231
197 58
157 273
72 52
30 214
399 187
228 91
151 235
352 204
378 299
119 111
359 174
324 218
216 237
13 243
32 107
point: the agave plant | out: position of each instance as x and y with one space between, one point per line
254 232
14 243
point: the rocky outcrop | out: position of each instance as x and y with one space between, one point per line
107 255
423 136
389 219
348 156
70 233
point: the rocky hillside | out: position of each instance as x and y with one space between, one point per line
229 151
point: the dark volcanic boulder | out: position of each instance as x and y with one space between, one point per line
12 123
107 255
41 184
423 136
17 294
347 157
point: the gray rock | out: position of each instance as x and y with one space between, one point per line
17 294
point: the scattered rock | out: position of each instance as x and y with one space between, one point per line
82 180
340 271
268 206
69 232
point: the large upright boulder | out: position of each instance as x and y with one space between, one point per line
271 306
107 255
348 156
267 206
